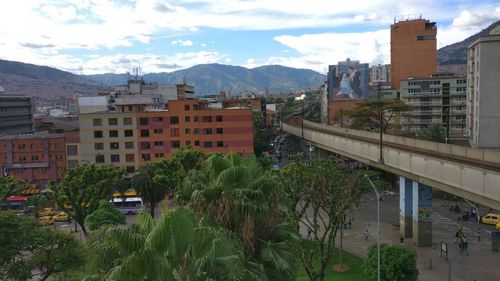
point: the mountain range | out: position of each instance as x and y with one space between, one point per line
47 82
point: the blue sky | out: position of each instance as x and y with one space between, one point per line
100 36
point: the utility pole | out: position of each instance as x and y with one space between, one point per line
378 225
381 158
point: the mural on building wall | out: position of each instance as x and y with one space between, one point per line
349 80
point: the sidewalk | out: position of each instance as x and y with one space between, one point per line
482 264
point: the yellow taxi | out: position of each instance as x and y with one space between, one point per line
491 219
62 216
45 220
498 226
46 212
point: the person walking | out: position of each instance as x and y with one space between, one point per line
366 235
465 244
308 233
457 235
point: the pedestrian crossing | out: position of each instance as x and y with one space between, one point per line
448 224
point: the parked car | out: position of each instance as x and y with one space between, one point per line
497 226
491 219
62 216
46 212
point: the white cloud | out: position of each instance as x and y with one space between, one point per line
203 44
182 42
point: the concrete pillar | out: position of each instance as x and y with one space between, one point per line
422 214
405 207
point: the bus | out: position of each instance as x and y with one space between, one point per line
131 205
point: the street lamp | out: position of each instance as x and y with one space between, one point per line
378 225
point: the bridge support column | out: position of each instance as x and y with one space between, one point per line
422 214
405 207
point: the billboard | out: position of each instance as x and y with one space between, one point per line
349 80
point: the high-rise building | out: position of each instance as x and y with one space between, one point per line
16 114
413 49
483 92
439 99
380 73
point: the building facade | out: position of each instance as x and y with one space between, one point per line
380 73
413 49
16 114
483 93
35 158
130 137
439 99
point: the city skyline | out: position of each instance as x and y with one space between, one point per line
90 37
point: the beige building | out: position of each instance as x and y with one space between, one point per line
109 138
439 99
483 93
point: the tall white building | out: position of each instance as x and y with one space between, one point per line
483 91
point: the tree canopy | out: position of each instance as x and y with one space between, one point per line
83 187
107 214
29 251
366 115
434 132
10 186
396 263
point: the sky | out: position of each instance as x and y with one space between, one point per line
111 36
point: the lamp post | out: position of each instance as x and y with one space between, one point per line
381 157
378 225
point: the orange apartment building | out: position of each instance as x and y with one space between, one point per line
192 123
413 50
35 158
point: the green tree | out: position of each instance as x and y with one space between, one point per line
319 196
188 159
39 201
10 186
368 114
396 263
155 180
107 214
176 247
434 132
240 195
29 251
262 136
83 187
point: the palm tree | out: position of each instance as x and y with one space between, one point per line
154 181
246 199
176 247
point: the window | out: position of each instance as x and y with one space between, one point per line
207 144
207 118
219 131
196 143
158 143
220 144
129 133
158 131
33 146
72 150
186 107
129 145
187 131
195 107
112 121
98 146
127 121
145 145
218 118
196 118
72 163
196 131
129 158
188 143
99 158
115 158
176 144
174 132
21 146
187 119
113 134
143 121
146 156
22 158
57 146
157 119
207 131
130 108
34 157
98 134
159 155
130 169
114 145
97 122
174 120
144 133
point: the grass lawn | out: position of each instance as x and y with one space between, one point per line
355 272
